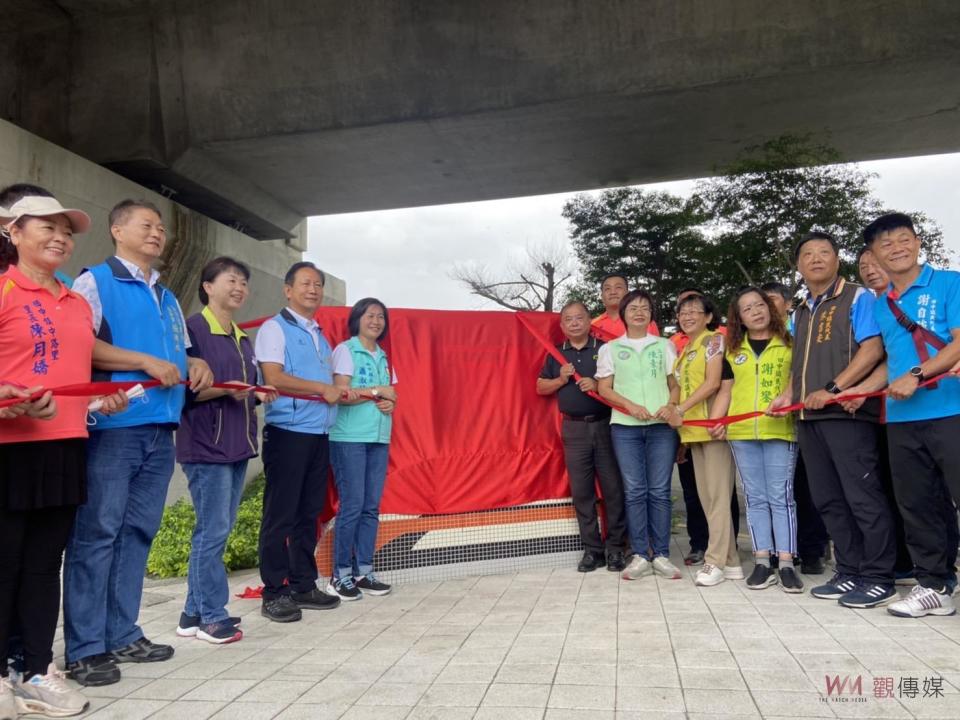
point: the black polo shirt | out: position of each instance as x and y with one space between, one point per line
571 399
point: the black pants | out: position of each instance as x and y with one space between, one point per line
31 552
903 563
841 457
296 466
925 463
697 528
588 452
812 535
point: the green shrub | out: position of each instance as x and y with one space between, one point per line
170 552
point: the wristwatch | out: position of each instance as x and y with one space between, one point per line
832 388
917 372
376 394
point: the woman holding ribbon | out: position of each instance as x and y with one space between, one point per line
699 370
216 438
359 448
756 370
46 341
634 374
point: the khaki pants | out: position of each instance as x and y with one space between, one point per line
716 477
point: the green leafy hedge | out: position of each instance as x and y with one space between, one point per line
170 553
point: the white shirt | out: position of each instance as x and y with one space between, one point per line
271 342
605 362
86 285
343 362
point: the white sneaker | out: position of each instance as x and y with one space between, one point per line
733 572
49 695
709 576
8 703
638 567
923 601
663 566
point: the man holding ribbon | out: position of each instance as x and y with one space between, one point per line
837 343
919 318
295 357
587 447
130 457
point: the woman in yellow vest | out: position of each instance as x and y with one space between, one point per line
634 373
698 371
756 370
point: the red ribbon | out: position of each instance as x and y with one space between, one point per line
729 419
96 389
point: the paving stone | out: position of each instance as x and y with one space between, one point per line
582 697
453 695
517 695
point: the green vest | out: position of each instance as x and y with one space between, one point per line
641 377
364 422
757 381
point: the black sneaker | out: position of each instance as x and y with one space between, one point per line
280 609
616 562
762 577
789 582
835 588
694 558
344 588
590 561
869 595
94 670
142 651
188 625
219 633
315 600
812 566
369 584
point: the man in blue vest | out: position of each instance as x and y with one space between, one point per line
130 456
295 358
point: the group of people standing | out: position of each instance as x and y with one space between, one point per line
83 480
884 485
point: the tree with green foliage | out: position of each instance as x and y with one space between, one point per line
774 193
652 238
737 228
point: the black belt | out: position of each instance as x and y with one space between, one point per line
586 418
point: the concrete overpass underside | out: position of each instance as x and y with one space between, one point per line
260 112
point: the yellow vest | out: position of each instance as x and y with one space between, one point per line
690 371
757 381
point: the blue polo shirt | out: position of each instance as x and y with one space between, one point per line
933 301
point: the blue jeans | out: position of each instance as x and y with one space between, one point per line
128 471
766 468
360 470
216 489
646 454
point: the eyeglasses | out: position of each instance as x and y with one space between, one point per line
690 313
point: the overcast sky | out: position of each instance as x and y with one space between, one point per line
404 257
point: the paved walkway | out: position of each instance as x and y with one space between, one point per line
550 644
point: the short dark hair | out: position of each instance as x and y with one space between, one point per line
570 304
216 267
297 267
709 307
357 312
815 235
779 288
120 213
862 251
620 275
638 294
886 223
8 196
694 290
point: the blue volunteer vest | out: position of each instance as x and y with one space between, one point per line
302 359
364 422
132 321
